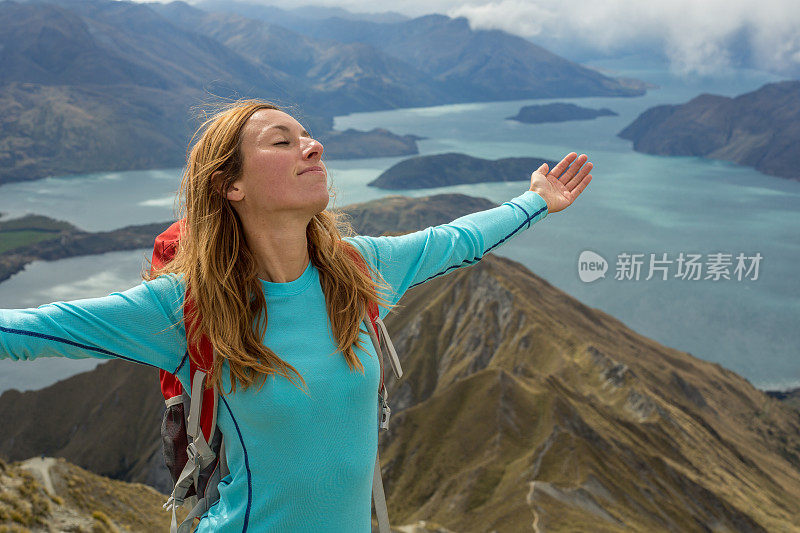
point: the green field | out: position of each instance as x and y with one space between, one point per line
30 229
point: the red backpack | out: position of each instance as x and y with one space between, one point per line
197 465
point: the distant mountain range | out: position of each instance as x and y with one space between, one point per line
93 85
471 65
759 129
519 406
441 170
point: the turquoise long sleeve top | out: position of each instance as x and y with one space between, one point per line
298 462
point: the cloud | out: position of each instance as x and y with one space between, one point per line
695 36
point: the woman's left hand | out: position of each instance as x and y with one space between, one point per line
561 186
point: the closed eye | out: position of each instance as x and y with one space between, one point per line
282 142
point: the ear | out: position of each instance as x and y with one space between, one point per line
234 190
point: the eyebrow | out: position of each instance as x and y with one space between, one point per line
304 133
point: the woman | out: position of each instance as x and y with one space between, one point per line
281 301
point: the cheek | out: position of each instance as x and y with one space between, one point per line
269 169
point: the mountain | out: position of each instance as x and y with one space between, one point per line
293 17
98 86
55 130
342 77
441 170
472 65
519 407
151 51
558 112
759 129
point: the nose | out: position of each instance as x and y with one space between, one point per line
312 148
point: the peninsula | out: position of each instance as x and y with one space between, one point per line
442 170
759 129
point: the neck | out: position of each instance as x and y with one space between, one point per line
280 249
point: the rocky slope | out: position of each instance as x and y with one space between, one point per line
441 170
46 495
520 409
759 129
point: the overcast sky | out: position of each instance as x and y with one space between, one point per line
696 36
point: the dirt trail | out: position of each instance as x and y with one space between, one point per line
40 468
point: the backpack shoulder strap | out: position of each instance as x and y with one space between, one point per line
377 332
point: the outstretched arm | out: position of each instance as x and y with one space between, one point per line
406 261
135 325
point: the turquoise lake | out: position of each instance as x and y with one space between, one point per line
636 204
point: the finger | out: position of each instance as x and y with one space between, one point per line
543 169
575 180
573 170
581 186
563 164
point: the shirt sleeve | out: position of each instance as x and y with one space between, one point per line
143 324
406 261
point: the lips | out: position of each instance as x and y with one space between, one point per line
312 169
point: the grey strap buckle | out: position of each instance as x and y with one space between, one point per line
192 453
385 413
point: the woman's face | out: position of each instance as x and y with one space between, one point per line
282 169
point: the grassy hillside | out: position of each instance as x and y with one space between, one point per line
45 495
30 229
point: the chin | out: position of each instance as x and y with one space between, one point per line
322 204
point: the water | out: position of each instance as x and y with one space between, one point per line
636 203
67 279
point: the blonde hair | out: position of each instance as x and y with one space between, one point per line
220 271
